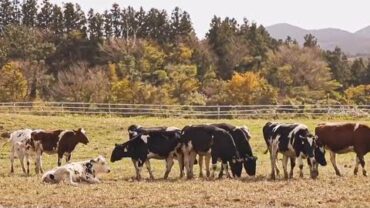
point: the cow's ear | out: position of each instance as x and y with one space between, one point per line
116 145
92 161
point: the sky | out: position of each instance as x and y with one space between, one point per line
314 14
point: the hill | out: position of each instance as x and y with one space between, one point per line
357 43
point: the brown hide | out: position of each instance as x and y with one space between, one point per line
48 139
339 137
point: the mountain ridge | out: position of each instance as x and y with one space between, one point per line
357 43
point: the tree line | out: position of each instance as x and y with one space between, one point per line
60 53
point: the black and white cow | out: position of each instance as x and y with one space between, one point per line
214 143
292 140
241 136
163 144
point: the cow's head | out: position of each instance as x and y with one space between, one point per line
100 165
132 131
309 150
81 136
120 151
319 152
250 165
236 167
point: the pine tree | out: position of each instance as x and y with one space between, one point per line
57 21
116 20
29 13
96 23
108 29
45 17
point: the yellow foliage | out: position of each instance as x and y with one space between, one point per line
359 94
249 88
112 72
13 83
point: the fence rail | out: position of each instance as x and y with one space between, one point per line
186 111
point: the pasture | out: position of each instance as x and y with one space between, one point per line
118 189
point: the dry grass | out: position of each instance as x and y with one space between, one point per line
119 190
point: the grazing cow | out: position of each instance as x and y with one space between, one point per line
241 136
61 142
210 140
19 140
156 143
343 138
292 140
78 171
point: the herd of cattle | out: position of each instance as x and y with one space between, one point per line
213 143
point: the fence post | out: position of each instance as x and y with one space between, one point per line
109 110
13 107
218 112
62 108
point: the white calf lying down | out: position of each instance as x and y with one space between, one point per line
78 171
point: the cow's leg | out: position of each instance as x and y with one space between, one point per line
60 157
207 161
300 165
285 166
226 167
292 165
28 163
214 166
41 168
21 159
200 166
273 154
180 159
12 152
360 160
38 165
149 168
169 164
68 157
192 156
138 177
221 173
334 163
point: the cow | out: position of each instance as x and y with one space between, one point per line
241 136
61 142
156 143
340 138
78 171
19 140
292 140
208 140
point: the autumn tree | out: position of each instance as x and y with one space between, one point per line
250 88
13 83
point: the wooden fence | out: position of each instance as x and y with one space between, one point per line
185 111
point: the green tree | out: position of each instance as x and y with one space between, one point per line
310 41
57 22
96 23
45 17
29 13
339 65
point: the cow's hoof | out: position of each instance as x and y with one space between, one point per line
338 174
355 171
364 173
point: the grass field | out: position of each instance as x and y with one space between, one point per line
119 190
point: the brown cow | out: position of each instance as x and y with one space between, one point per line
344 138
61 142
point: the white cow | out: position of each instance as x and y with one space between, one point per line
19 148
78 171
